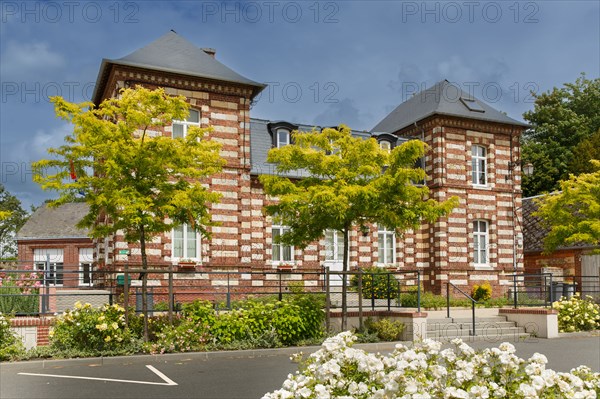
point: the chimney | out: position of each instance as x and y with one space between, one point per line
210 51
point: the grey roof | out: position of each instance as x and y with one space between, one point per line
261 142
534 232
173 53
443 98
55 223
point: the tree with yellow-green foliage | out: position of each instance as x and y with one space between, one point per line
350 182
133 178
573 214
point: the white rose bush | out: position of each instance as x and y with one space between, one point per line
425 371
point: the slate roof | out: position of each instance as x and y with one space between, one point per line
173 53
534 232
55 223
261 143
443 98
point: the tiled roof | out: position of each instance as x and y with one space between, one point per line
443 98
55 223
172 53
261 142
534 232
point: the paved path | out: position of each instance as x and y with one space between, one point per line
244 374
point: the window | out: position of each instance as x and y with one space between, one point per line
334 246
180 128
385 145
386 246
480 242
281 253
186 242
472 105
283 137
50 262
479 165
85 266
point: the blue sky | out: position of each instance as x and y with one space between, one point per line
326 62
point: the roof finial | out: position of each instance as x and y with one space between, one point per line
173 30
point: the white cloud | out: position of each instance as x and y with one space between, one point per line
22 60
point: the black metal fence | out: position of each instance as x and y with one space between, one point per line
542 289
45 288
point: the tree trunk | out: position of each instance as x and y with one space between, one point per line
345 280
144 282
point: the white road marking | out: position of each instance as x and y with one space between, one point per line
167 380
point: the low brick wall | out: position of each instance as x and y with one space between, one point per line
34 331
543 323
415 323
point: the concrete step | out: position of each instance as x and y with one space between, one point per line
486 328
456 320
432 325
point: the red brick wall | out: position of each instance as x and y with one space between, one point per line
442 250
70 249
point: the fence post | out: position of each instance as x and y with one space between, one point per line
388 291
228 293
551 293
171 295
372 291
327 300
360 306
126 296
447 299
419 291
515 304
280 288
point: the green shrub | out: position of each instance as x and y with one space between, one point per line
482 292
386 329
11 347
184 335
199 311
377 282
577 314
262 321
89 331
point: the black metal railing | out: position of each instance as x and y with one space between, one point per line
45 288
473 303
543 289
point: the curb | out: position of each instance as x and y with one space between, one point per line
171 357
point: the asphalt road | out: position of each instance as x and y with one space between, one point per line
217 375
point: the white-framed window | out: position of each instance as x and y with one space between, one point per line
479 165
334 246
281 253
180 128
283 137
185 242
86 258
385 145
50 261
480 242
386 241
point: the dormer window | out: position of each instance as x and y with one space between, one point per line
281 133
180 128
283 137
385 145
386 141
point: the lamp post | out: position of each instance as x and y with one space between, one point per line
527 170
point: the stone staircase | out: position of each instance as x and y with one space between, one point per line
487 328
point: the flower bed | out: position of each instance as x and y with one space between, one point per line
577 314
426 371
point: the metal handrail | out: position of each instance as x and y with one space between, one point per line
473 302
